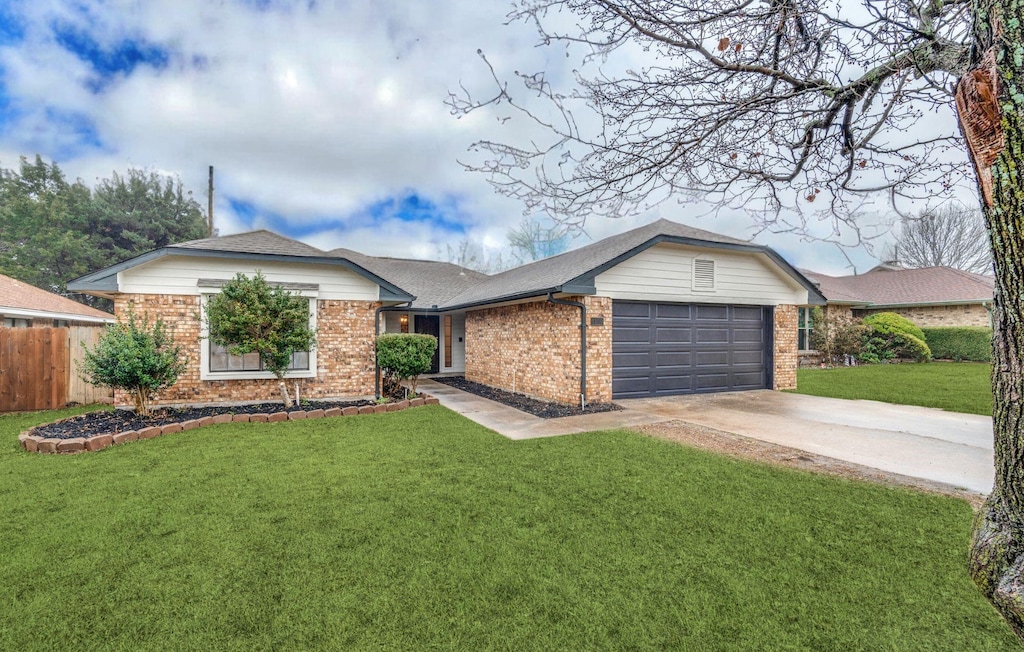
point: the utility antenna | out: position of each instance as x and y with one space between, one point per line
209 211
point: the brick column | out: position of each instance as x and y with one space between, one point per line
786 358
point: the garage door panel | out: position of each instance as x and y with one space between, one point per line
669 359
673 311
673 335
712 335
661 349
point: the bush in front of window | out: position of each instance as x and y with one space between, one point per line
405 356
836 338
135 357
251 315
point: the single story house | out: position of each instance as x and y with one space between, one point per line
24 306
663 309
928 296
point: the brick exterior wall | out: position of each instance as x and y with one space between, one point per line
785 351
345 353
973 314
533 348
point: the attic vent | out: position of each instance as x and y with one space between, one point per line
703 274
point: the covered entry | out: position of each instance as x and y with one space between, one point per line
661 349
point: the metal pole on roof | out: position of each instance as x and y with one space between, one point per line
209 211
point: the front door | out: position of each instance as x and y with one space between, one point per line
429 325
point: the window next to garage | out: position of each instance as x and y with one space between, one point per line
804 328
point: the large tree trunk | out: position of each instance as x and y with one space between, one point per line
990 104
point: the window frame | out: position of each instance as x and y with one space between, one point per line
204 346
806 325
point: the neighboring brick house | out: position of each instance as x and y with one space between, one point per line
660 310
930 296
23 306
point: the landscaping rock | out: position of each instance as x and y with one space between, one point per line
31 443
298 415
191 424
349 411
228 418
73 445
259 418
49 445
393 407
151 432
432 401
277 417
336 412
315 414
416 402
366 409
378 409
122 437
99 442
246 418
205 421
170 429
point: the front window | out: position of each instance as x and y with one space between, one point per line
804 328
217 364
221 360
17 323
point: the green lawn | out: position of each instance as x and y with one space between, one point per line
953 386
420 529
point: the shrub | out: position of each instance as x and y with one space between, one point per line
835 338
405 355
252 316
959 343
134 357
890 322
881 347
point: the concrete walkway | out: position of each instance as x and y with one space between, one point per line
947 447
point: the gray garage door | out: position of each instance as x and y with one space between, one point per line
660 349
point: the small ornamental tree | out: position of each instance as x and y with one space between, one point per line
251 315
135 357
406 355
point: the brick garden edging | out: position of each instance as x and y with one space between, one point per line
37 444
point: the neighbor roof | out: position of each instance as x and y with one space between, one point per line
899 287
574 270
24 299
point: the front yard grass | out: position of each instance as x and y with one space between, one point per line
953 386
420 529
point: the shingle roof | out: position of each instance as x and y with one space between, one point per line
929 285
557 270
255 242
432 282
15 294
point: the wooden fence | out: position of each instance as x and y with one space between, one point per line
39 368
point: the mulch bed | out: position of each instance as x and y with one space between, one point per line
536 407
95 423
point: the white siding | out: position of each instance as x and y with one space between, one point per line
178 275
664 273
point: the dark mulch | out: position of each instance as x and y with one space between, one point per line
536 407
96 423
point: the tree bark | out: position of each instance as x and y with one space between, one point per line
997 545
285 396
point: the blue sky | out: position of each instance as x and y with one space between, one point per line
325 121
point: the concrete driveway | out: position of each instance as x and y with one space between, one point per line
947 447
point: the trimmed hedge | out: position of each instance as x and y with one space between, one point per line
972 343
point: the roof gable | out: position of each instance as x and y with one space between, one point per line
928 285
16 294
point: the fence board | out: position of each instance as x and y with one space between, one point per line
80 391
37 369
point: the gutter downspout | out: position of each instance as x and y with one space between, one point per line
376 334
583 343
